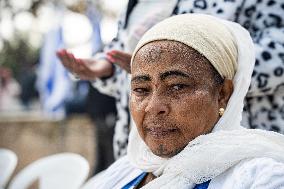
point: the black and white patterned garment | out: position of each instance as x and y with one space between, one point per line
264 106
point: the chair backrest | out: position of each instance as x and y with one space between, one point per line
92 182
8 162
60 171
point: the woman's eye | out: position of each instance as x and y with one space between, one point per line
140 91
178 87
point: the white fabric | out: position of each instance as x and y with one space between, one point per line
200 33
8 162
209 155
60 171
116 176
257 173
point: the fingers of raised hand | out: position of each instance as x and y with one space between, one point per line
64 57
82 69
120 58
70 62
61 55
111 58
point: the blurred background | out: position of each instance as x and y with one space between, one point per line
43 111
24 26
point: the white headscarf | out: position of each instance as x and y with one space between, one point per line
229 48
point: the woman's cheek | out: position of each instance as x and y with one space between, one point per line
192 105
137 110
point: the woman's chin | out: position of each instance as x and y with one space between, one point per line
164 150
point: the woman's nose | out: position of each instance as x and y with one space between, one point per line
157 106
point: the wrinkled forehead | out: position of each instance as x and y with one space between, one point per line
166 53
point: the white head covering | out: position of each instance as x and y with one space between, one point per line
200 33
229 48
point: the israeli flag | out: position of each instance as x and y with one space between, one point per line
53 81
79 34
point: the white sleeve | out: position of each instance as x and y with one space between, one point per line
258 173
116 176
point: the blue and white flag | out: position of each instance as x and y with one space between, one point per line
54 84
53 81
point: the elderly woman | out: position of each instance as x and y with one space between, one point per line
190 74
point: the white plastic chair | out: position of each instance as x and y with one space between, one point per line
8 162
91 183
60 171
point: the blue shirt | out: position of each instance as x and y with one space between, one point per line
138 179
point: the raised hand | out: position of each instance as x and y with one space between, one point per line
120 58
86 69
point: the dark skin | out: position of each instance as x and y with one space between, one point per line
174 97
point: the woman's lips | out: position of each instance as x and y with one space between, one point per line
160 132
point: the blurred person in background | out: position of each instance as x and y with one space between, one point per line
9 91
264 104
78 30
28 87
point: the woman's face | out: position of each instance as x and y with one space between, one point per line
173 96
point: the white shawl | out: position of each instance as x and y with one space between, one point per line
208 156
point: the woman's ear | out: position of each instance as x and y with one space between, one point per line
225 93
